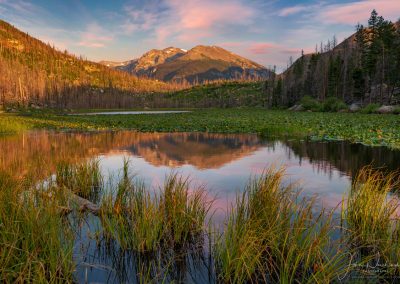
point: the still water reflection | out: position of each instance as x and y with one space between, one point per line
223 163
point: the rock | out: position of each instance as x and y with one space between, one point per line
35 106
11 109
354 107
385 109
296 108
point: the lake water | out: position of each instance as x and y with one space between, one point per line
132 112
222 163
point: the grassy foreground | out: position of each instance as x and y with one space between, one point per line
270 234
369 129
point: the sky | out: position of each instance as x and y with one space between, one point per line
268 32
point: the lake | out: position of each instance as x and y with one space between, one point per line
131 112
222 163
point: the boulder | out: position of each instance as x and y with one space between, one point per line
354 107
296 108
385 109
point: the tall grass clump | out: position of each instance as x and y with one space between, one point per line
371 218
142 221
132 217
369 211
185 211
273 236
83 179
36 244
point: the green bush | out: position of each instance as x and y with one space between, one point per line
371 108
333 104
310 103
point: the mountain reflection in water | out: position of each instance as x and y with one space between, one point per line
221 162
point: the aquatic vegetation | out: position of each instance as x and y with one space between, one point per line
10 125
371 219
369 129
272 236
83 179
144 222
369 212
36 244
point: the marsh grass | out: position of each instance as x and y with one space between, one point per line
273 236
83 179
9 125
36 244
144 222
271 233
371 219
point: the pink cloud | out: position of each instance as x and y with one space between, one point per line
94 37
262 47
292 10
193 20
358 11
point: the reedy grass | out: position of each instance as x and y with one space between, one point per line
83 179
144 222
369 211
35 242
272 236
371 220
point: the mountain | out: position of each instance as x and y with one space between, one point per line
199 64
35 72
355 71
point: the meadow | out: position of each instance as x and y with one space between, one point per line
369 129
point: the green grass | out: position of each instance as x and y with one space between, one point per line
142 222
83 179
271 235
35 243
369 129
372 224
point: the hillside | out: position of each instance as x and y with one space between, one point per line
362 69
197 65
34 72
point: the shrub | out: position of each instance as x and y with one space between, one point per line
333 104
310 103
371 108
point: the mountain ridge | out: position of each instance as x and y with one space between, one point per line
199 64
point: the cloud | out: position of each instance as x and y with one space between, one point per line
292 10
344 13
262 47
142 17
187 21
94 36
267 53
358 11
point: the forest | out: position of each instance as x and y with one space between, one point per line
364 69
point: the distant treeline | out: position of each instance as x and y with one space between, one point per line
363 68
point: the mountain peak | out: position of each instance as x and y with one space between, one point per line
200 63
